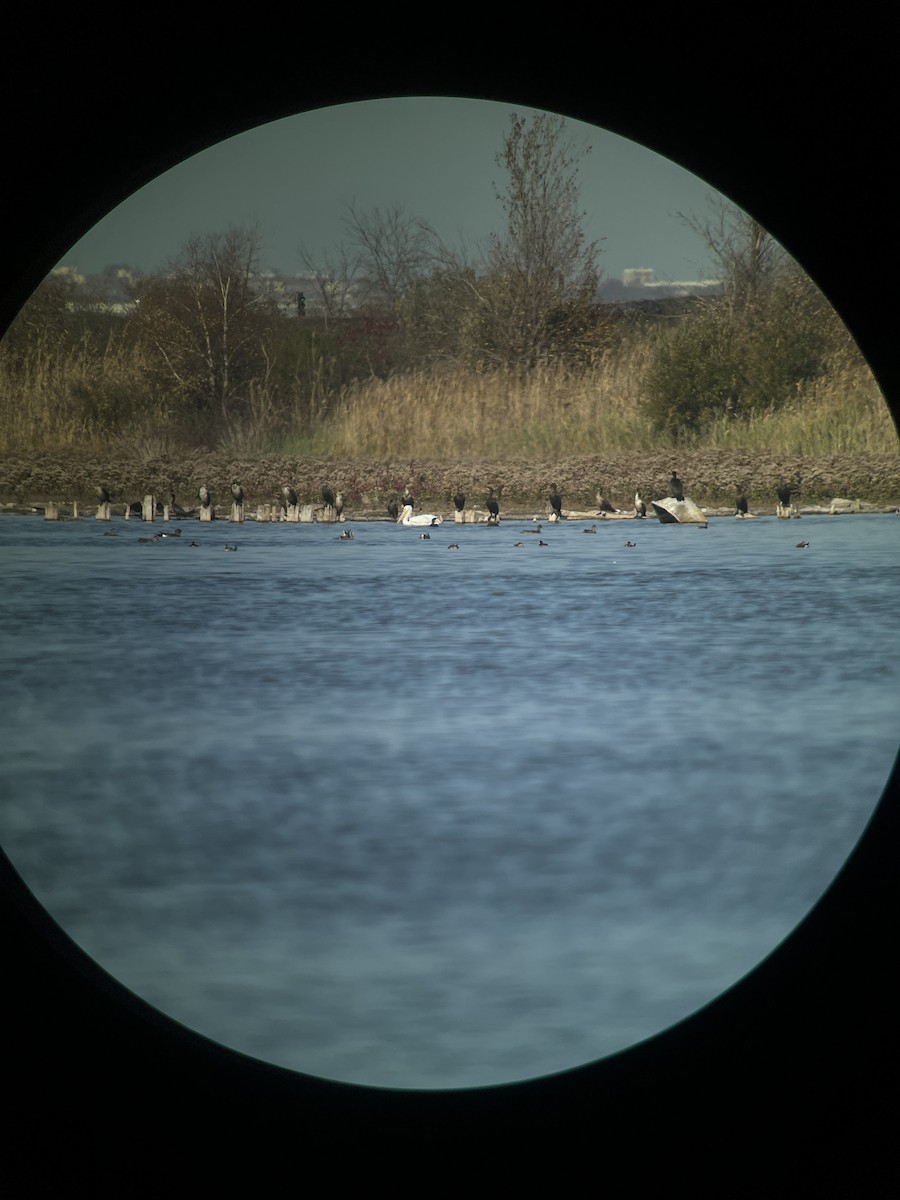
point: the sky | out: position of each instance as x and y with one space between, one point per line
435 157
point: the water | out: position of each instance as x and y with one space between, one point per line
397 815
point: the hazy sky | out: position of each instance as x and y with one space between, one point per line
434 156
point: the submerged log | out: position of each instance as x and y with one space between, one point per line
678 512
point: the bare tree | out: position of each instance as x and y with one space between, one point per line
394 249
207 317
745 254
543 270
336 279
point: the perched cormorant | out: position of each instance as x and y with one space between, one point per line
288 497
493 507
136 508
555 501
603 505
238 492
205 498
327 495
740 505
640 508
177 510
393 509
339 503
676 487
459 499
784 495
408 497
103 493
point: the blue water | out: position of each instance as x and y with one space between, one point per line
397 815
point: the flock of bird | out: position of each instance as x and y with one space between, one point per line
401 509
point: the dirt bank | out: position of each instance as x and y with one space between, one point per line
710 477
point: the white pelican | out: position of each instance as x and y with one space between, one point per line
406 517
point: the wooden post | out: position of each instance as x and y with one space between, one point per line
207 512
329 514
51 512
306 513
237 513
292 513
103 511
166 512
75 510
263 512
148 508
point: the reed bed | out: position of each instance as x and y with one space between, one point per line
552 412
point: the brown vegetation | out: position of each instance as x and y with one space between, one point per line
711 477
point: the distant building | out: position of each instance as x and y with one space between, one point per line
640 283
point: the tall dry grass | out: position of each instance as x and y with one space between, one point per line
553 412
59 398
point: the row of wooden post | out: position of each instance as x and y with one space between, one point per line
264 512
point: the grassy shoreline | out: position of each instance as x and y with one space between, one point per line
711 478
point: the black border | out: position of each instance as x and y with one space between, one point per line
785 1086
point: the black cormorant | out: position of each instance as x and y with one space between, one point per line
205 498
459 499
784 495
493 507
408 497
103 493
676 487
740 505
238 492
555 501
327 495
393 509
288 497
